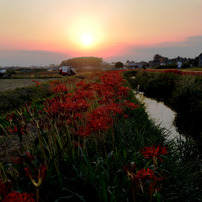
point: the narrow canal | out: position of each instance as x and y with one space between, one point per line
162 116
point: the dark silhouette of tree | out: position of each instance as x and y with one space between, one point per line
82 62
158 58
119 65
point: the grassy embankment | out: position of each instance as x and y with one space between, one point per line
183 93
11 100
92 141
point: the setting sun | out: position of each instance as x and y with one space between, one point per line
87 39
85 34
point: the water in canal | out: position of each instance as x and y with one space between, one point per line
162 116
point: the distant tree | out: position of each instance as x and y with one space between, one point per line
158 57
119 65
83 62
196 61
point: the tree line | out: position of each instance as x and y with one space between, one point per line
82 62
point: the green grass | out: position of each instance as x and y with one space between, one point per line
79 174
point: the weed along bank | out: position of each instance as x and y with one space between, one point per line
91 140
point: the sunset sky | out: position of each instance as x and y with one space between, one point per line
41 32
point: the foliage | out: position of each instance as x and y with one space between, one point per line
82 62
181 92
14 99
187 100
119 65
93 141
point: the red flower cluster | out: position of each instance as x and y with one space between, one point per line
193 73
86 108
18 197
58 87
143 180
36 82
99 120
13 130
64 106
5 188
144 175
154 151
146 180
131 105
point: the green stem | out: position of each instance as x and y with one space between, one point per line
37 194
133 192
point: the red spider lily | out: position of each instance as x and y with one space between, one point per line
112 78
107 96
113 108
5 188
130 104
21 129
97 87
83 132
81 84
18 197
78 116
123 92
13 130
60 88
84 94
146 180
145 174
64 106
36 82
55 82
99 120
154 151
99 123
40 175
176 72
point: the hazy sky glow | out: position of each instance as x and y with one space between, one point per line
111 29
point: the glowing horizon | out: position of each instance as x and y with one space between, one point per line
113 29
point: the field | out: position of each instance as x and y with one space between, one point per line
91 140
10 84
